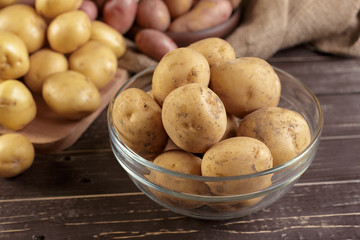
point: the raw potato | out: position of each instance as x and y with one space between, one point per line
205 14
137 120
16 154
50 8
178 7
214 49
153 14
68 31
182 162
284 131
245 85
90 8
233 157
177 68
14 56
96 61
154 43
25 22
106 34
71 95
17 105
235 3
43 63
194 117
231 127
120 14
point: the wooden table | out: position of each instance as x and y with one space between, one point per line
83 193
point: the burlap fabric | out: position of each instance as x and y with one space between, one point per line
267 26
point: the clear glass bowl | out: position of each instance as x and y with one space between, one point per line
180 192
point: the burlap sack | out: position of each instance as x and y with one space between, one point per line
331 26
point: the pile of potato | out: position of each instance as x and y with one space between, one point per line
148 20
53 49
216 109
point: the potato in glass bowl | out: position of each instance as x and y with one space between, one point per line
187 191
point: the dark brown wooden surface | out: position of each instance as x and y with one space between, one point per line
83 193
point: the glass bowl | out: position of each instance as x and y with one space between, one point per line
187 194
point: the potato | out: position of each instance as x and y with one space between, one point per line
90 8
43 63
153 14
51 9
182 162
120 14
108 35
214 49
232 157
178 7
68 31
171 146
235 3
284 131
14 56
5 3
24 21
16 154
245 85
137 120
17 105
194 117
96 61
154 43
177 68
231 127
205 14
71 95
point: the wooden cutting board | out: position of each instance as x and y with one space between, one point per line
50 133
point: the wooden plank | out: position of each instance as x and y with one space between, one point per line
321 210
98 172
340 76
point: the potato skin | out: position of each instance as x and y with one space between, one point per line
14 56
153 14
90 8
50 8
68 31
231 127
120 14
284 131
17 105
257 85
182 162
30 27
71 95
108 35
178 7
236 156
205 14
214 49
177 68
16 154
96 61
232 157
43 63
137 120
194 117
154 43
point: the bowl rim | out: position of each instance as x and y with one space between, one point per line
149 164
